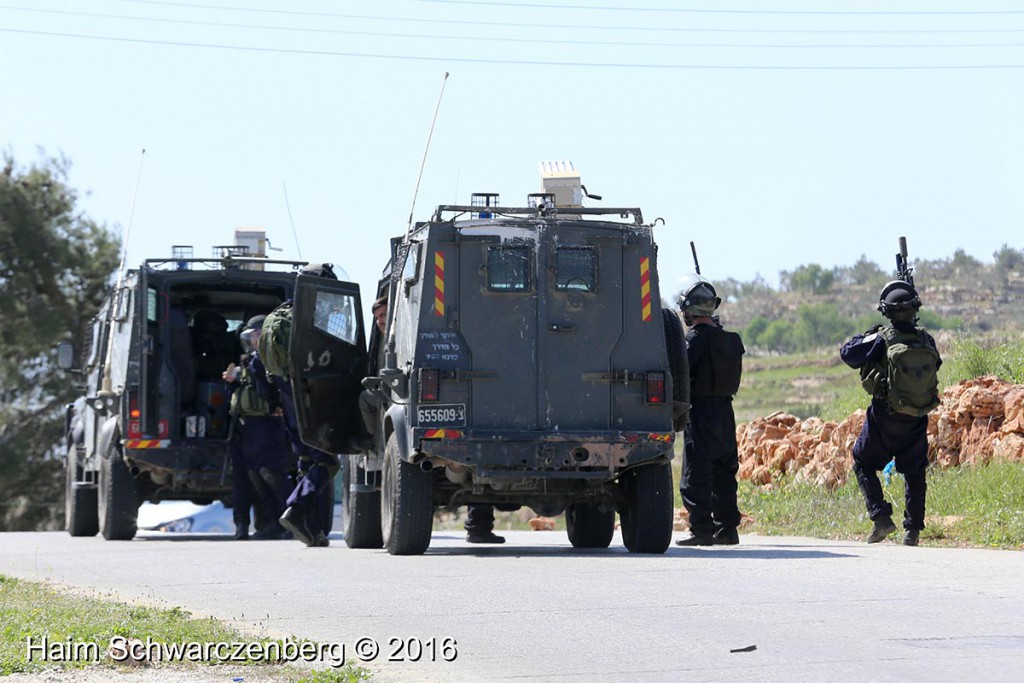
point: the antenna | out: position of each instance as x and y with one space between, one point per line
423 163
288 206
696 264
106 387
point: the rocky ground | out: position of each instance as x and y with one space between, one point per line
978 420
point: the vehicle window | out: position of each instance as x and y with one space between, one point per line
412 264
122 304
576 269
508 269
152 309
95 341
335 314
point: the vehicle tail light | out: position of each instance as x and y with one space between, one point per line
134 416
430 385
654 391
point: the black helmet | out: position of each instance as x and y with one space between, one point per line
700 299
899 301
319 270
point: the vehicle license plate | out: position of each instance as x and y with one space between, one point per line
441 415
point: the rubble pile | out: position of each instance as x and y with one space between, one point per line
978 420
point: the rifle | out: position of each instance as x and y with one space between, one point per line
696 265
903 270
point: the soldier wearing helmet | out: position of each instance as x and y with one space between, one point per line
259 450
708 484
898 363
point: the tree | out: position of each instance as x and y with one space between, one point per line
863 272
55 265
778 336
812 278
820 325
1008 258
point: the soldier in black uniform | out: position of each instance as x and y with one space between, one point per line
708 484
892 430
258 446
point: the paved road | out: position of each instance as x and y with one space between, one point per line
536 610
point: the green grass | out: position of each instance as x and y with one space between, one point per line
800 384
37 611
971 357
980 506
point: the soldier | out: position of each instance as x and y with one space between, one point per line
316 469
708 484
370 402
896 424
258 445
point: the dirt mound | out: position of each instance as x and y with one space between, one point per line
978 420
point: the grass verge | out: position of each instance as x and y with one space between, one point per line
978 506
82 629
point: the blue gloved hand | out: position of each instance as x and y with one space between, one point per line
888 470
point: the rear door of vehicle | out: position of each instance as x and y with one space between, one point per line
580 325
328 361
497 300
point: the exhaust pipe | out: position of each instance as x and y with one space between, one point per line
426 465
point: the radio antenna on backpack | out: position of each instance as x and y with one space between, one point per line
423 163
696 264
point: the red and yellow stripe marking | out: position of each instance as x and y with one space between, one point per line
664 437
645 289
147 443
443 434
438 283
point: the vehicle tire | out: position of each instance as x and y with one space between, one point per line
118 507
325 509
80 517
407 504
590 525
362 510
646 515
678 363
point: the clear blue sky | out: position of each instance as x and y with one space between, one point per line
771 133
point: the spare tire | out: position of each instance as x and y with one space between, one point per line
678 363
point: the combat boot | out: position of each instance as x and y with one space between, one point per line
271 532
883 527
726 536
911 537
295 522
694 539
484 537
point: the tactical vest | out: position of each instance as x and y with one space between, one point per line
719 374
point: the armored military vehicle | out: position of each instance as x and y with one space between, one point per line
526 362
152 422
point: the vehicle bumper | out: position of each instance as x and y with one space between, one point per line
570 455
176 466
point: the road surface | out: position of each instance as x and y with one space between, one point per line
534 609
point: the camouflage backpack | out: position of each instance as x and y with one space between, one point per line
911 379
273 343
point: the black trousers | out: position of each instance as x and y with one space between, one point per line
708 484
885 436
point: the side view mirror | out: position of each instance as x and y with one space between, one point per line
66 356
